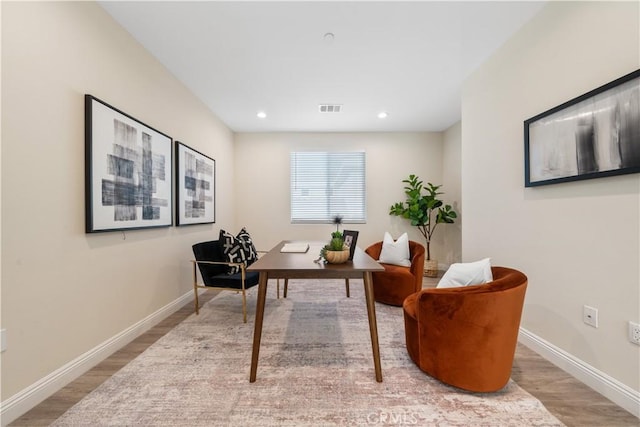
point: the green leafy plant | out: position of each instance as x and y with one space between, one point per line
423 208
337 239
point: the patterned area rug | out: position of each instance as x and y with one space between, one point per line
315 369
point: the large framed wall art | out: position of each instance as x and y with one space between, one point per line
195 183
127 171
594 135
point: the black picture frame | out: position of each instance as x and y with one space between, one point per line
195 186
350 239
594 135
128 170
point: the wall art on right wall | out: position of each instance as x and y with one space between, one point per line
594 135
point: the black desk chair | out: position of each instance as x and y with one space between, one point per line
213 269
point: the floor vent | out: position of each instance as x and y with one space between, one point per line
330 108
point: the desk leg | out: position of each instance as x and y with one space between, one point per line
373 326
257 332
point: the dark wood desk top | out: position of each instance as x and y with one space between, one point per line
301 265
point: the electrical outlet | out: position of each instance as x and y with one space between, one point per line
590 316
634 333
3 340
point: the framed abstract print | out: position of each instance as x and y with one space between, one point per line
127 171
594 135
195 186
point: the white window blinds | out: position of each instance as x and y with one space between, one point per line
324 185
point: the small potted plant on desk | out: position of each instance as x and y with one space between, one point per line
336 252
425 211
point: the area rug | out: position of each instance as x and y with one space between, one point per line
315 369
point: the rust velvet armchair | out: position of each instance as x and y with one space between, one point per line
466 336
396 283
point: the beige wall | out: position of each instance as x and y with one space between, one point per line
262 178
63 291
578 242
452 188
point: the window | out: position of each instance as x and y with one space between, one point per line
324 185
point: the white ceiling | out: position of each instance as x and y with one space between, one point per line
406 58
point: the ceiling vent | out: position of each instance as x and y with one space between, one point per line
330 108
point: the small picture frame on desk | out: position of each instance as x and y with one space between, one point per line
350 239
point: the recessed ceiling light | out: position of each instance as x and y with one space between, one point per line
382 115
261 114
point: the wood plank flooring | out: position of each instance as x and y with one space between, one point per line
569 400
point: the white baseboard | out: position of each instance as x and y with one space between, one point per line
20 403
612 389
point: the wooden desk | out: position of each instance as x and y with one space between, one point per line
277 265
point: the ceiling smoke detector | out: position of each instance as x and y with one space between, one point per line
330 108
328 38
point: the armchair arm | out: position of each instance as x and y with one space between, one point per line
417 264
374 250
240 264
195 262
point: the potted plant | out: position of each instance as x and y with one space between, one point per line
336 252
425 211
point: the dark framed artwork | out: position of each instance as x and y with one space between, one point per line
127 171
350 239
196 186
594 135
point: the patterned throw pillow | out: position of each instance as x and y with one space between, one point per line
247 244
238 249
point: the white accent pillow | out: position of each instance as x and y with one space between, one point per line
467 274
395 252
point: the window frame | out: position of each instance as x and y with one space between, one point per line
296 219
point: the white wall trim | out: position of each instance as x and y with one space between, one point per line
20 403
619 393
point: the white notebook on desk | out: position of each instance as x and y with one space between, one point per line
295 247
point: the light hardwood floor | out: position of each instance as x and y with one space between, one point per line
569 400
